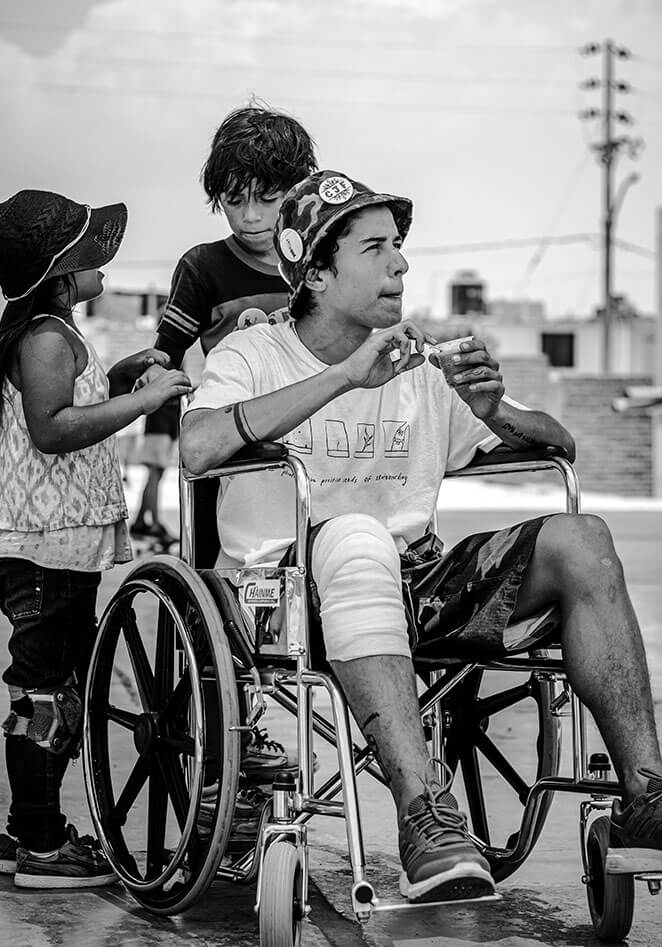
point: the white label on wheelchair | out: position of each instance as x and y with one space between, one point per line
265 593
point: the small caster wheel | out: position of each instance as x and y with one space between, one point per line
610 897
281 896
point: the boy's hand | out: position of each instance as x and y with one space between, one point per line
170 384
476 378
371 365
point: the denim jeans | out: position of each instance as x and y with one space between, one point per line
53 617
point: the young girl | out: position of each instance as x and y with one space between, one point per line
62 509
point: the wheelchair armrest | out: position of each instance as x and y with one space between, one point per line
258 450
519 461
516 459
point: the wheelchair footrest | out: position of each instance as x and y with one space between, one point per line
402 905
633 861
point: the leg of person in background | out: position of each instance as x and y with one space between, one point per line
147 522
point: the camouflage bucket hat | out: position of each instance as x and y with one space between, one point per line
312 207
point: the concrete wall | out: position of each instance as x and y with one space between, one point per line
614 452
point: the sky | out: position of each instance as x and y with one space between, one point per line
469 107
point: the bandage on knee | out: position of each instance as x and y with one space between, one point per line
356 568
55 721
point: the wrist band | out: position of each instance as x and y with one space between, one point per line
242 424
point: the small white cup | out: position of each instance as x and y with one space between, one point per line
444 352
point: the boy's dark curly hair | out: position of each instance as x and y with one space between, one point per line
257 143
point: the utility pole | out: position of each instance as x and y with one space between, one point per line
607 151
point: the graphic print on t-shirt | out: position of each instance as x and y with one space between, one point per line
253 316
243 312
365 440
396 438
300 439
337 442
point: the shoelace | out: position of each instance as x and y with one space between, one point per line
83 841
252 795
261 739
656 794
435 819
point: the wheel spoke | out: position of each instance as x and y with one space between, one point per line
175 784
180 742
157 811
179 697
488 706
164 658
138 657
473 787
124 717
494 755
173 778
129 794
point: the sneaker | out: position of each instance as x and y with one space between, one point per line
439 860
138 528
264 757
8 846
636 830
248 808
158 531
79 863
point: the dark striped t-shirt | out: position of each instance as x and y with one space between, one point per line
217 287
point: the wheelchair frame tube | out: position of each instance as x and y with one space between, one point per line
563 466
302 491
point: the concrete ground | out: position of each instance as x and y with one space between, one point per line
543 904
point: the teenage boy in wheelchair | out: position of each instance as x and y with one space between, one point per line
354 391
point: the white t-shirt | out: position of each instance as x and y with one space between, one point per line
381 451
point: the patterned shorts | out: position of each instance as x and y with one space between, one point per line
457 603
460 602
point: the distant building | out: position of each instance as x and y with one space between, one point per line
517 310
573 345
467 294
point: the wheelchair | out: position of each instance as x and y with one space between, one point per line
184 659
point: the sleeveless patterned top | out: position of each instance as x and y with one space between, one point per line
44 492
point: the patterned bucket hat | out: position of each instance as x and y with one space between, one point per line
44 235
312 207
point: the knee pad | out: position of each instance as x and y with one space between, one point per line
55 721
356 568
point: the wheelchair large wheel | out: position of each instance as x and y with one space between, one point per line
610 897
161 680
475 737
281 896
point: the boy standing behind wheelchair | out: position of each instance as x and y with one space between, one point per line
256 155
62 510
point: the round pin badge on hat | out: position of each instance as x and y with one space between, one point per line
336 190
291 245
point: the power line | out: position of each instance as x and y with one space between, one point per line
501 244
207 35
591 239
546 242
335 103
634 248
308 73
